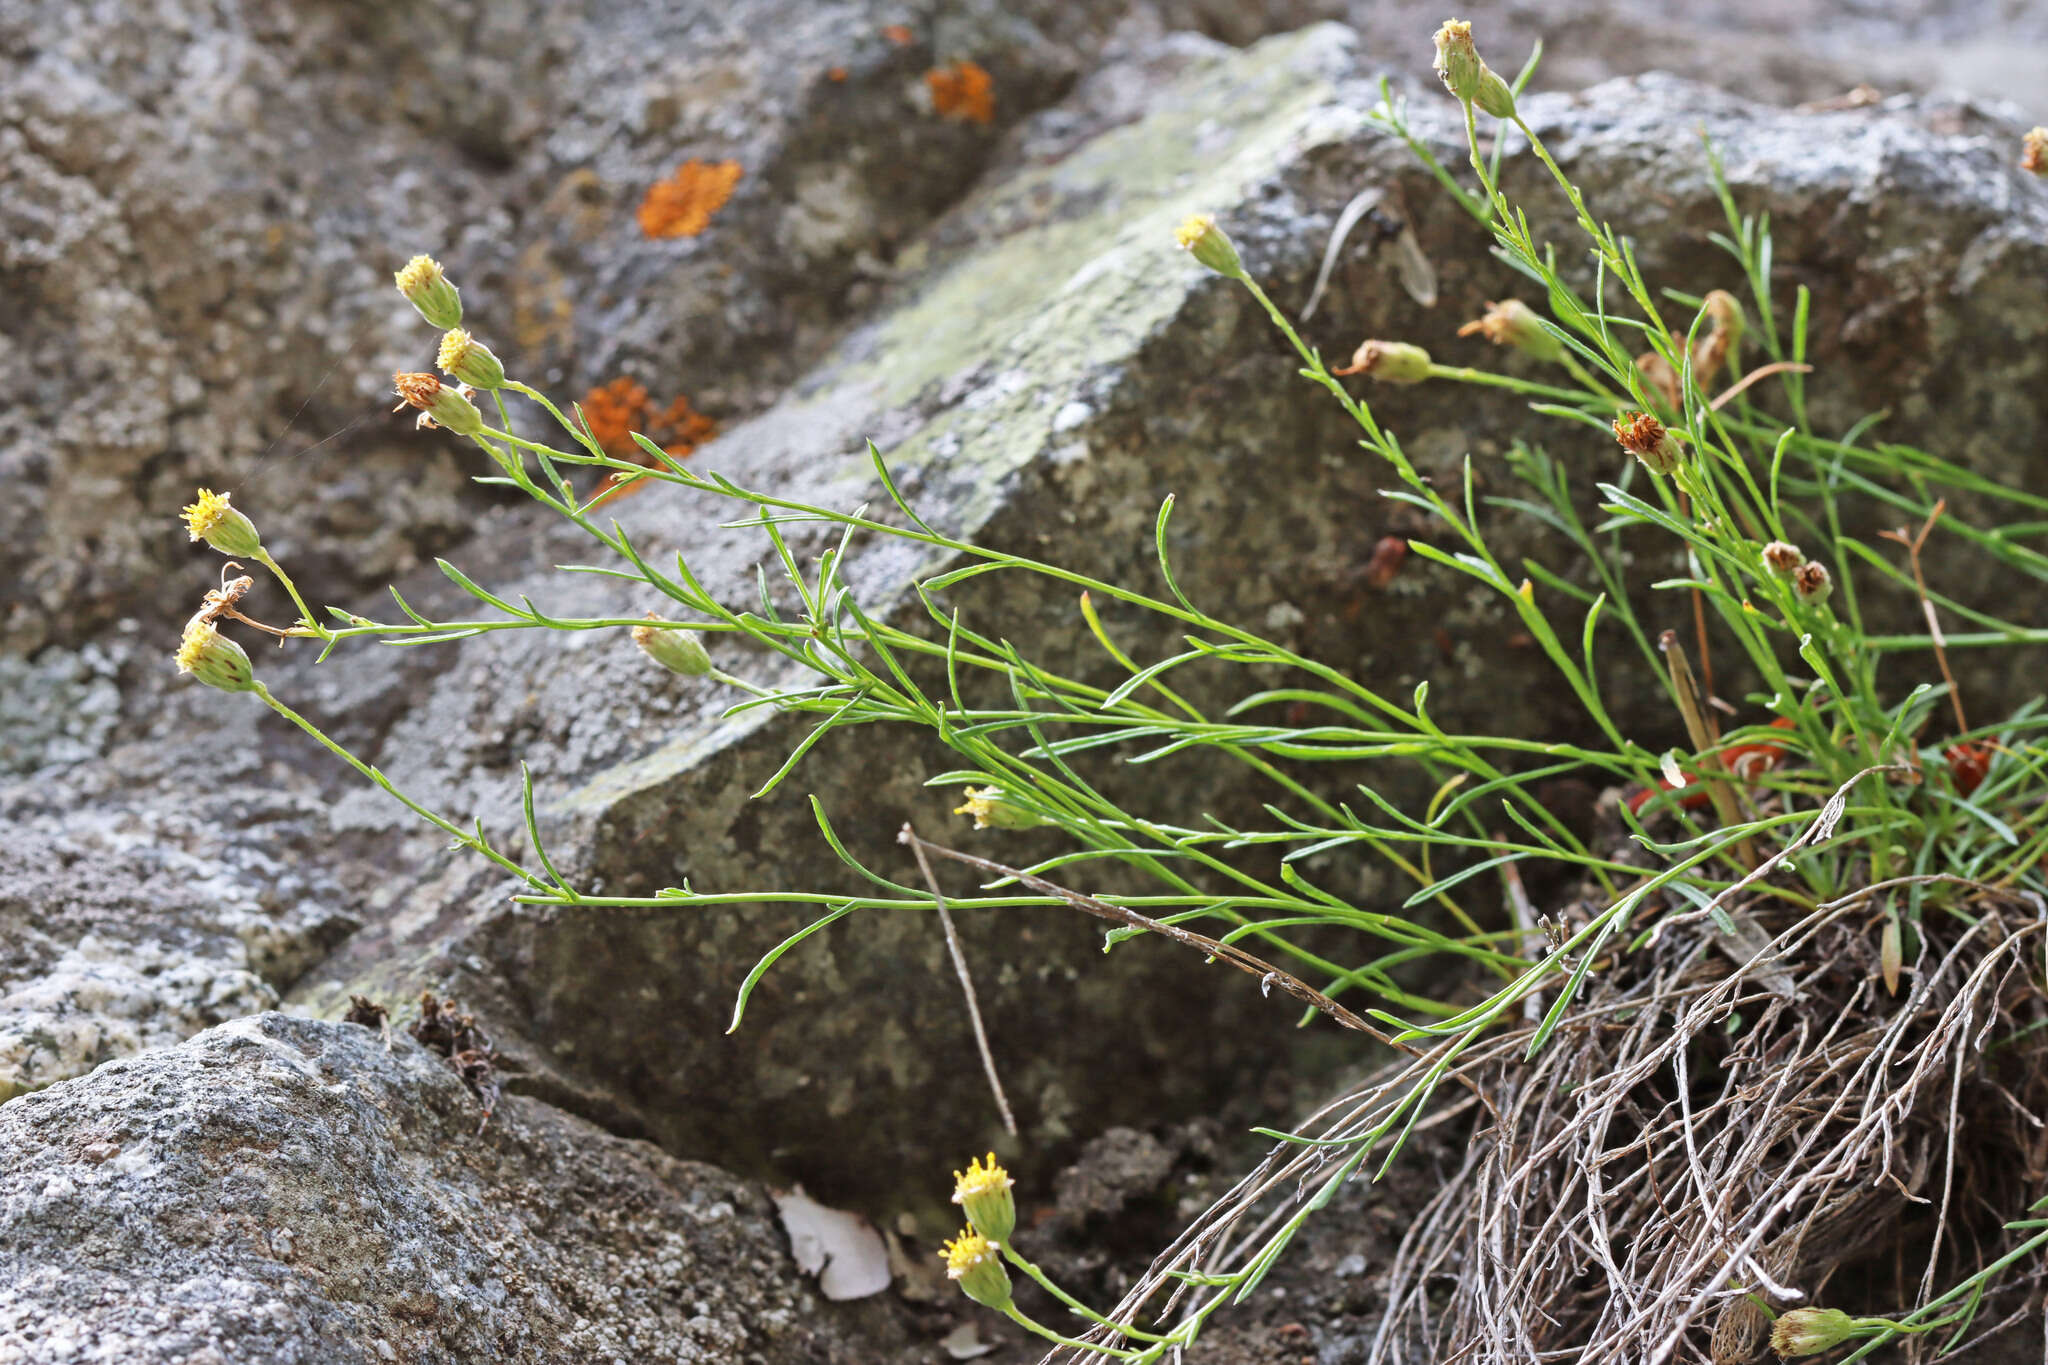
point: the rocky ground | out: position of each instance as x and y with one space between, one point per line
200 214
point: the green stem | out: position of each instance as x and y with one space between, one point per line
1016 1315
1040 1278
262 557
454 831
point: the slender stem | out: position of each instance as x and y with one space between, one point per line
456 832
1043 1281
1016 1315
263 557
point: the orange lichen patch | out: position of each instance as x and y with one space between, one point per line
681 428
683 204
836 74
899 35
963 90
614 411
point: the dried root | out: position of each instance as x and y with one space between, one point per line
1710 1132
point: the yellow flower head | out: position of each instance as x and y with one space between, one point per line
991 811
421 272
1199 236
972 1261
425 285
984 1192
214 659
212 520
202 516
469 360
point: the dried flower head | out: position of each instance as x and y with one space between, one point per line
1809 1331
683 204
1719 345
1513 323
214 659
1465 73
2034 152
212 520
1644 437
963 91
1390 362
1457 62
425 285
984 1191
440 405
469 360
979 1269
991 810
678 651
1811 583
1783 558
1199 236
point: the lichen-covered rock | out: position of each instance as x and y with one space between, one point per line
123 931
199 216
283 1190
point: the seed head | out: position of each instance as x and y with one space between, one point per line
2034 152
425 285
984 1191
443 406
1644 437
1513 323
1811 583
978 1267
214 659
678 651
1809 1331
212 520
469 360
991 810
1391 362
1783 559
1199 236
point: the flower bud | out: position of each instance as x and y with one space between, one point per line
979 1269
2034 152
1494 96
678 651
1392 362
1809 1331
212 520
991 811
1199 236
470 361
1811 583
1644 437
426 287
1783 559
443 406
214 659
1513 323
984 1191
1457 62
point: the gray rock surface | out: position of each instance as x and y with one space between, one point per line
282 1190
1041 369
